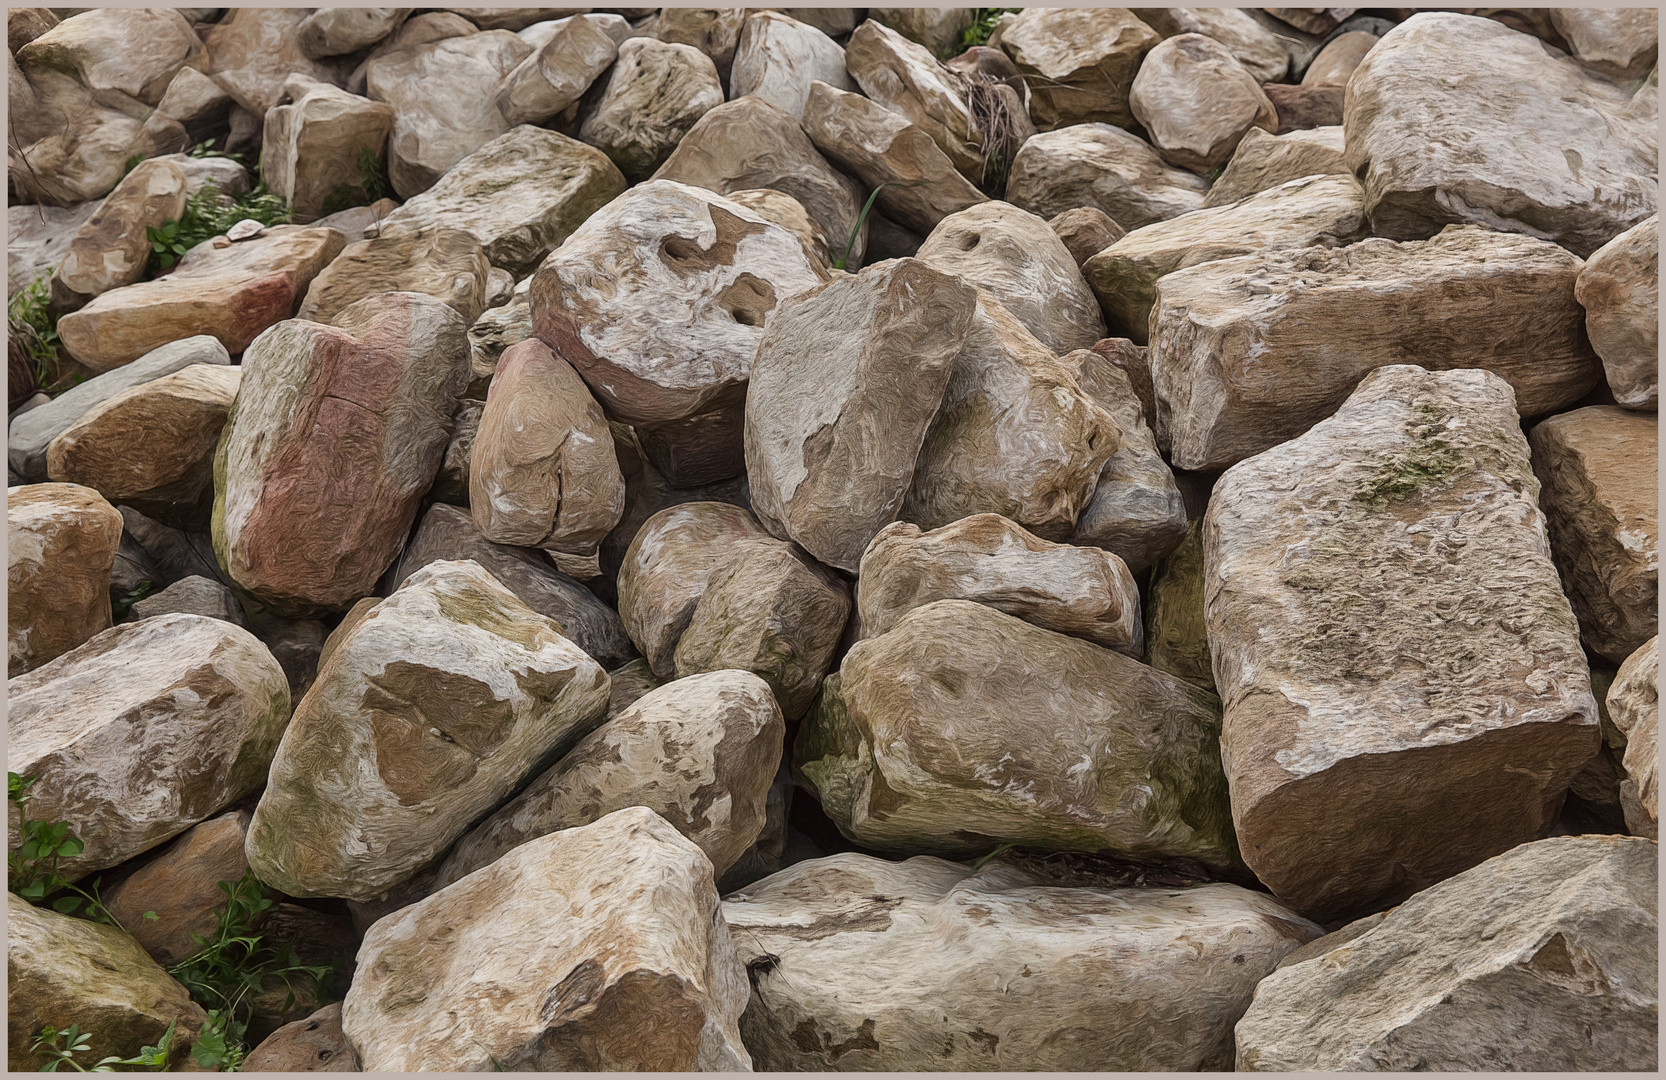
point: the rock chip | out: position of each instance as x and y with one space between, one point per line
653 97
133 52
779 58
446 264
1176 639
847 380
304 517
315 1043
1621 43
1595 465
339 31
428 712
194 595
1493 300
622 916
61 542
146 730
1544 958
1085 232
1260 52
1619 289
555 77
111 249
1118 978
1197 101
1547 148
908 80
1105 167
1634 705
1081 62
1264 161
315 151
179 886
1404 690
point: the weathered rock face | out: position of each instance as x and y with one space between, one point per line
314 149
1619 288
338 31
1542 958
1337 60
57 967
1634 705
789 213
304 517
446 264
1493 300
61 542
714 31
179 887
1015 435
38 237
1264 161
963 727
312 1044
700 752
908 80
1621 43
1431 150
232 292
152 445
878 350
1083 592
431 709
490 334
133 53
555 77
1105 167
1197 101
194 595
647 492
110 250
1082 62
653 97
1176 640
1305 107
624 907
1024 265
83 148
198 102
779 58
1118 978
1404 691
1317 211
252 52
146 730
1085 232
1595 465
1260 52
938 29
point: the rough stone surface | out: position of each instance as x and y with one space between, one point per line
1197 101
313 148
653 97
451 483
1619 288
1547 148
1081 62
312 1044
61 542
198 102
1634 705
1543 958
554 78
146 730
1493 300
1338 59
1404 690
1176 639
179 886
1264 161
338 31
304 518
1261 53
1118 978
908 80
431 710
1105 167
938 29
192 596
133 52
789 213
1596 466
779 58
964 727
1305 107
254 51
74 149
1085 232
622 919
446 264
714 31
38 237
1621 43
111 249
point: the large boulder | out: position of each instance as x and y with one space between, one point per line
317 151
61 542
1541 959
620 918
1197 101
1634 705
714 31
1104 167
1597 467
144 731
1494 300
305 517
180 888
862 964
653 97
112 248
1619 288
1261 52
845 385
908 80
116 53
253 52
1264 161
1081 62
339 31
428 712
84 149
446 264
963 727
1621 43
553 79
1459 119
779 58
1346 581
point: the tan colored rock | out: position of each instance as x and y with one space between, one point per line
232 292
1431 150
938 29
432 709
1261 52
493 332
111 249
714 31
179 887
1105 167
85 155
789 213
338 31
556 76
653 97
1619 288
1338 59
908 80
146 730
1176 639
779 58
194 595
1543 958
1400 704
859 368
315 148
1118 978
1497 301
1596 465
647 492
1264 161
1304 107
1197 101
622 916
59 967
1081 62
446 264
151 446
509 18
1085 232
1634 704
38 237
313 1044
133 52
198 102
1621 43
24 25
61 541
424 29
253 52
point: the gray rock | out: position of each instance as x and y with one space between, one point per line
191 596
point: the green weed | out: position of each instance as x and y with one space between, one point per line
75 1041
209 213
842 260
983 24
34 329
32 870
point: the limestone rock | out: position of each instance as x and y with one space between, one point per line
338 31
1260 52
313 1044
1496 301
908 80
1621 43
789 213
59 967
1085 232
555 77
1619 289
111 249
1548 149
133 52
938 29
700 752
24 25
1404 690
179 886
306 520
451 483
714 31
1105 167
1306 106
852 372
653 97
1338 59
622 916
1543 958
432 709
61 541
1118 978
492 333
232 292
253 52
964 727
509 18
314 149
521 195
1081 62
38 237
1595 465
85 155
780 58
1176 639
199 103
1264 161
424 29
647 492
1634 704
146 730
194 595
1197 101
446 264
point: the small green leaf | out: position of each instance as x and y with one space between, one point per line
66 905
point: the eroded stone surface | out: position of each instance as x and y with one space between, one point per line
179 887
1086 231
1176 639
1082 62
1105 167
1197 101
1619 288
908 80
447 264
131 52
1622 43
1261 52
194 595
779 58
312 1044
313 149
61 542
1264 161
110 250
555 77
252 52
1634 705
654 95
